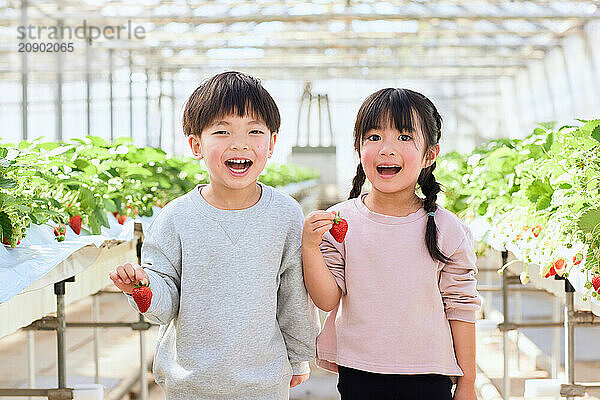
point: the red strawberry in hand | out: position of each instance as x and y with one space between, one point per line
142 295
75 222
339 228
596 282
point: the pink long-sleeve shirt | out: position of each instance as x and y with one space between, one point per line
396 300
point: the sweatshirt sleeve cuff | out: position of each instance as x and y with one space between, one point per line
460 315
300 368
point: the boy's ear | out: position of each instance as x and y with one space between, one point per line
432 155
272 141
196 147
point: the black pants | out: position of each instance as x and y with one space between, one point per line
354 384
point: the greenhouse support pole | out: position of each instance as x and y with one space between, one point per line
173 110
130 95
88 109
59 86
96 318
568 76
589 54
518 319
110 89
549 87
147 105
532 90
556 312
320 120
143 381
569 333
24 76
59 291
505 341
160 108
329 116
31 358
308 120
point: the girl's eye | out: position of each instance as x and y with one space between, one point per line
373 138
404 138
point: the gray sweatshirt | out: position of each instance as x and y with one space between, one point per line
228 291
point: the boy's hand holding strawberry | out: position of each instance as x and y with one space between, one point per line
132 279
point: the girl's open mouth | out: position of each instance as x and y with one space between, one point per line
238 166
388 170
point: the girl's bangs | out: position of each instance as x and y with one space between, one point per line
390 107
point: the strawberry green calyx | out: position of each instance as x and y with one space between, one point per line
338 218
141 284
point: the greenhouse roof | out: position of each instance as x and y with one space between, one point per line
478 39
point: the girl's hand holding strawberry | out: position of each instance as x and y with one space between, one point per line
315 225
126 276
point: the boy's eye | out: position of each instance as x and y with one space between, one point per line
404 138
256 131
373 138
220 133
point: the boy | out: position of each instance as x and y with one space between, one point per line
224 260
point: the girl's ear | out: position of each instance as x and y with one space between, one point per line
432 155
196 147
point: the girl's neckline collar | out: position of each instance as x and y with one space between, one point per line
385 218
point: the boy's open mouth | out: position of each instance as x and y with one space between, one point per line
388 169
238 166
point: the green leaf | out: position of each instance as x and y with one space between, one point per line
596 133
100 215
7 183
549 141
97 141
109 205
86 197
122 140
543 202
94 225
3 152
565 186
86 166
589 221
538 188
7 228
22 208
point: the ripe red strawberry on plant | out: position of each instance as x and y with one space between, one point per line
121 219
596 282
75 223
577 259
59 231
339 228
559 266
142 295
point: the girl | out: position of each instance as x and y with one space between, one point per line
400 287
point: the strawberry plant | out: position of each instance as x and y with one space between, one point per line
78 183
541 194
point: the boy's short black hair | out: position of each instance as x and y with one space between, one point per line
229 93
